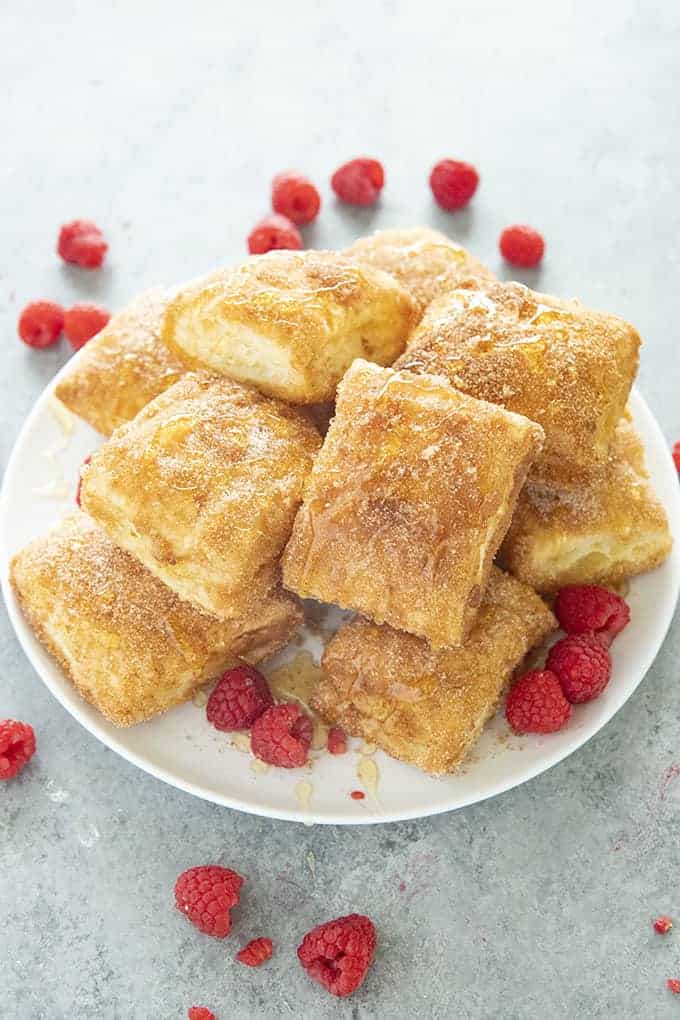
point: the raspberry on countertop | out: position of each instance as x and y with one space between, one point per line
338 953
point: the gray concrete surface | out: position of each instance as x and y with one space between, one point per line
164 122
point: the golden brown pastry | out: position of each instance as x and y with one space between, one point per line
408 501
202 487
425 262
124 367
607 530
125 641
422 706
566 367
290 323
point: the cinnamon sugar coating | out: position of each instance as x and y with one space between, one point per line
123 367
408 501
425 262
423 706
125 641
202 487
562 365
601 533
290 323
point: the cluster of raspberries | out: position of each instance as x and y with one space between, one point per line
577 668
336 954
296 202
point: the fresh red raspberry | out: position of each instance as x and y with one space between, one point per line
200 1013
453 183
80 479
282 736
206 895
582 665
240 697
82 243
82 322
357 795
662 925
256 952
587 607
359 182
272 233
338 954
521 245
673 986
676 455
17 747
296 197
337 740
536 704
41 323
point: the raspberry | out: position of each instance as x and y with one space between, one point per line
296 197
582 665
359 181
206 895
80 479
256 952
453 183
536 704
676 455
337 740
282 735
82 322
338 954
587 607
272 233
17 747
82 243
41 323
673 985
200 1013
240 697
662 925
357 795
521 245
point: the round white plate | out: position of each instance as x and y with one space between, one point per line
183 749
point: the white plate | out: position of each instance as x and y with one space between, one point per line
183 749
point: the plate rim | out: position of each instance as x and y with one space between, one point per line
31 647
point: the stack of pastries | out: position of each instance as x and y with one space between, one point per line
478 453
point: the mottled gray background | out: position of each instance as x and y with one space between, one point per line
164 122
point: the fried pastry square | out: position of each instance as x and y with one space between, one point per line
124 367
610 529
203 487
566 367
125 641
408 501
425 262
422 706
290 323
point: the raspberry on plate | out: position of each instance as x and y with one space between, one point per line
200 1013
662 925
17 747
282 736
240 697
294 196
453 183
338 953
588 607
359 181
82 243
582 665
257 952
676 454
337 740
206 895
82 322
273 233
521 246
41 323
536 704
